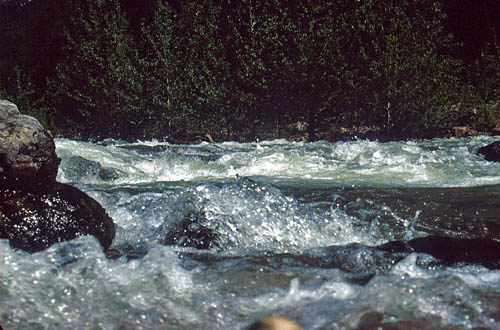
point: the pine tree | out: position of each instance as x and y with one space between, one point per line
98 84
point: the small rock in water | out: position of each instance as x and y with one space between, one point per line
78 167
191 231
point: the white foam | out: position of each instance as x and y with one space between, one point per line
436 163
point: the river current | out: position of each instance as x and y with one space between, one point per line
216 236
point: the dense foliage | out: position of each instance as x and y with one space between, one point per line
248 68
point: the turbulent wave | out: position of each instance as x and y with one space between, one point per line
433 163
243 215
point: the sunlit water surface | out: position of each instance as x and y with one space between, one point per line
290 229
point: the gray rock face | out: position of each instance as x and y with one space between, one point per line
35 210
27 151
77 167
8 110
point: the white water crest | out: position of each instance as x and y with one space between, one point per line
442 163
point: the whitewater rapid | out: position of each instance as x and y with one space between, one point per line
216 236
443 163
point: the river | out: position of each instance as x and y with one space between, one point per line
216 236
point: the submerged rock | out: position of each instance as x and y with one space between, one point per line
491 152
145 149
77 167
191 231
35 210
361 263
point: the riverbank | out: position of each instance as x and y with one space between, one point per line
333 135
471 122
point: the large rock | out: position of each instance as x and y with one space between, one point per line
491 152
34 219
27 150
35 210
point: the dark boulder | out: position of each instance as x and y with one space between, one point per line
450 251
35 210
491 152
34 219
456 250
192 231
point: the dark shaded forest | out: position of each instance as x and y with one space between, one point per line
246 69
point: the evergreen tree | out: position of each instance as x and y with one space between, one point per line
98 84
189 77
408 77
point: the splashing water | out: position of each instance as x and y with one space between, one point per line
216 236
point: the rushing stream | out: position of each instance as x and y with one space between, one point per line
216 236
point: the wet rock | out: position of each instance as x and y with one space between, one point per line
145 149
491 152
191 231
450 251
35 210
362 261
27 150
78 167
456 250
34 219
370 320
377 320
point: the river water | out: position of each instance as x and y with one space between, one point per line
216 236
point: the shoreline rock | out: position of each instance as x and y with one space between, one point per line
27 150
35 210
463 132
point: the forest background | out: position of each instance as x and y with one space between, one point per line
247 69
